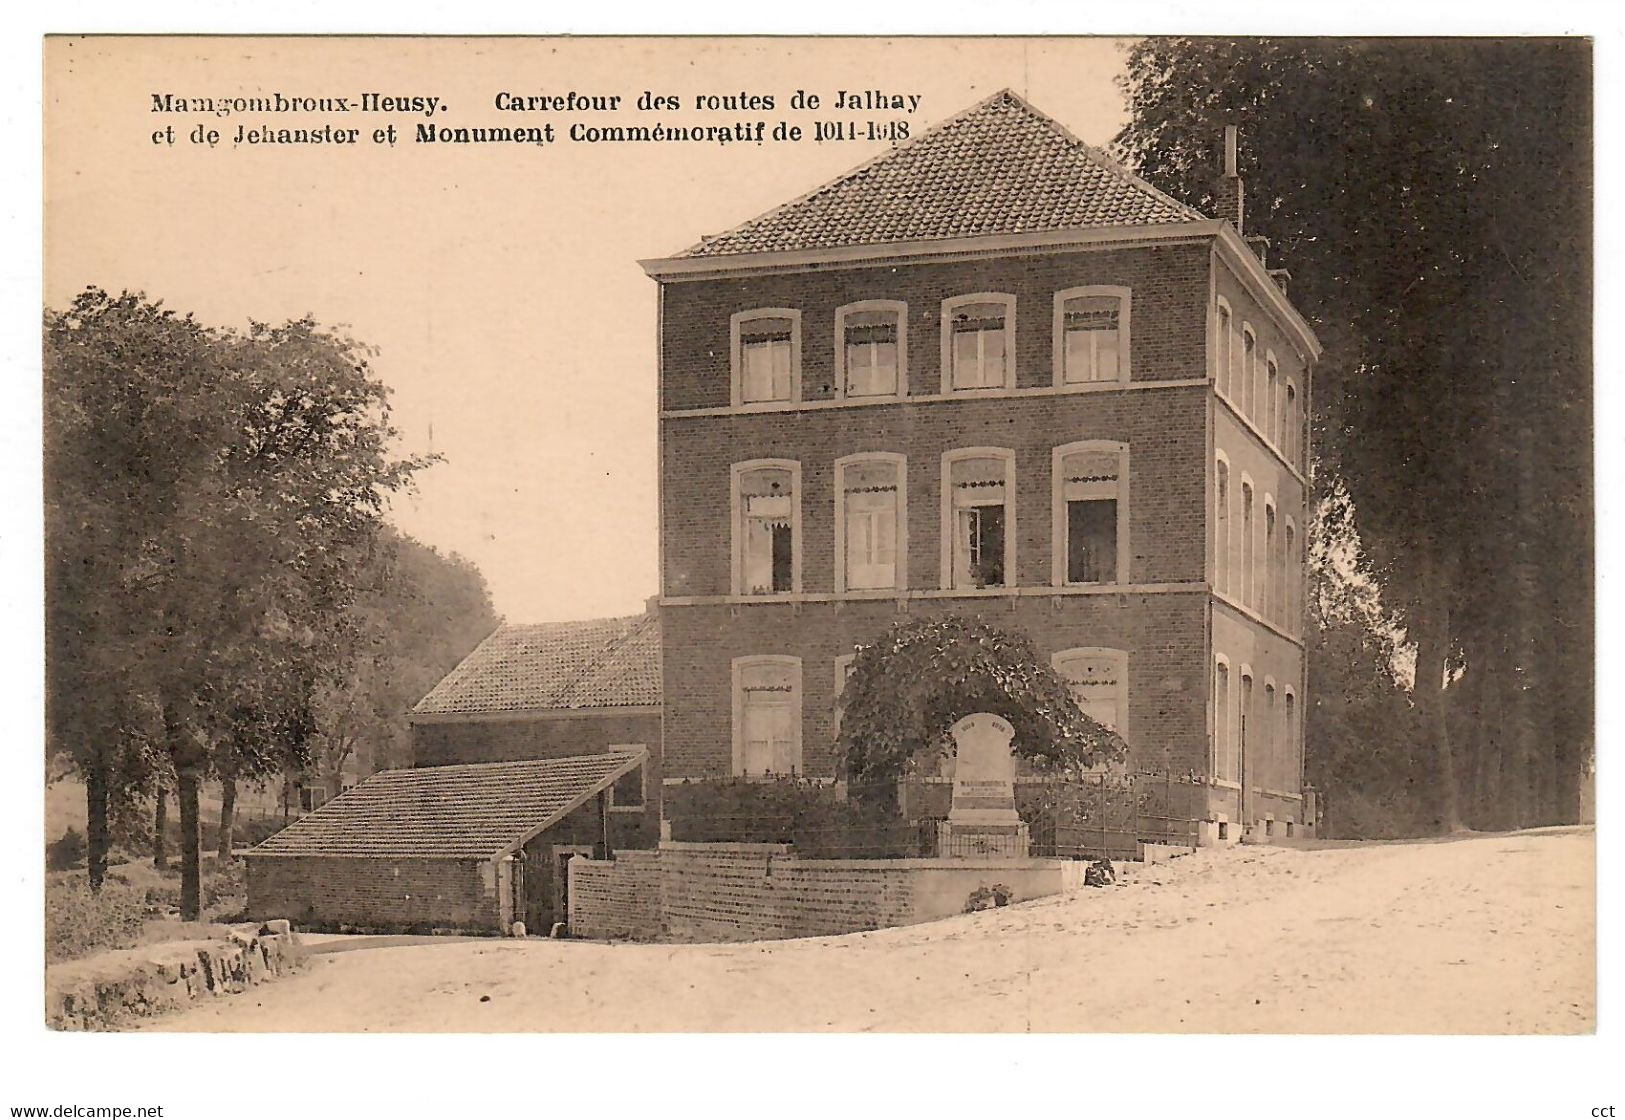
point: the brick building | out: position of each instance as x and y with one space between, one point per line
991 372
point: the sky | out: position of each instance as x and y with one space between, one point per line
499 284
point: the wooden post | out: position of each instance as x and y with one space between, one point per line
602 848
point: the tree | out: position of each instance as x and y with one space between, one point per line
910 686
228 484
1432 201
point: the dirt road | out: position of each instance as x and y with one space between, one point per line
1486 934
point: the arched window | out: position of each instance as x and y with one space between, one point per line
1272 401
978 342
767 527
1091 332
1294 424
767 715
1224 738
1290 724
1268 573
1249 569
871 349
1246 731
766 355
1224 349
843 672
1269 735
871 522
1292 578
1223 562
1089 513
978 518
1249 372
1098 680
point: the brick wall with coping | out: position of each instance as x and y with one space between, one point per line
747 892
618 899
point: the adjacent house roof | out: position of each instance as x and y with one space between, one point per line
596 663
999 167
468 812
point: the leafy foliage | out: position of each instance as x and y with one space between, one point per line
911 686
1432 199
210 495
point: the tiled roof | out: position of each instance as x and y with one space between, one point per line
1000 167
469 812
597 663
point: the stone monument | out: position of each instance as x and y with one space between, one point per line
982 820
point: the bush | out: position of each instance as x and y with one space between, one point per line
67 851
79 922
811 816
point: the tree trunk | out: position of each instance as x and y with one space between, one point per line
228 815
1432 647
160 826
96 805
191 843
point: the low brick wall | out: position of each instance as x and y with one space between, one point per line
749 892
106 990
618 898
375 893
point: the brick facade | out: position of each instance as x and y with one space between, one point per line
375 893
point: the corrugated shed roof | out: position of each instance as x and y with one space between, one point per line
469 812
596 663
999 167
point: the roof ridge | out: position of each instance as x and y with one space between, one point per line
887 153
434 770
1101 156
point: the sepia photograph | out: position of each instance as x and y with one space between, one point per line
928 536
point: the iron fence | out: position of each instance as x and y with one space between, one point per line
1108 815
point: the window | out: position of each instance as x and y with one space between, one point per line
1223 347
1290 725
1098 681
1091 335
766 346
1247 572
1268 730
978 518
1268 572
978 342
312 798
1224 739
1222 560
767 527
1249 373
1090 512
871 521
843 673
767 715
1289 578
1244 722
1294 426
871 349
1272 402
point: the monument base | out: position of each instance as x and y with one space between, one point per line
962 840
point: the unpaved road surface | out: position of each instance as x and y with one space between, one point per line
1483 934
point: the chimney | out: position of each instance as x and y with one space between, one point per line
1281 277
1230 199
1261 249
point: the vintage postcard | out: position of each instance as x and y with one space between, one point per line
941 535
